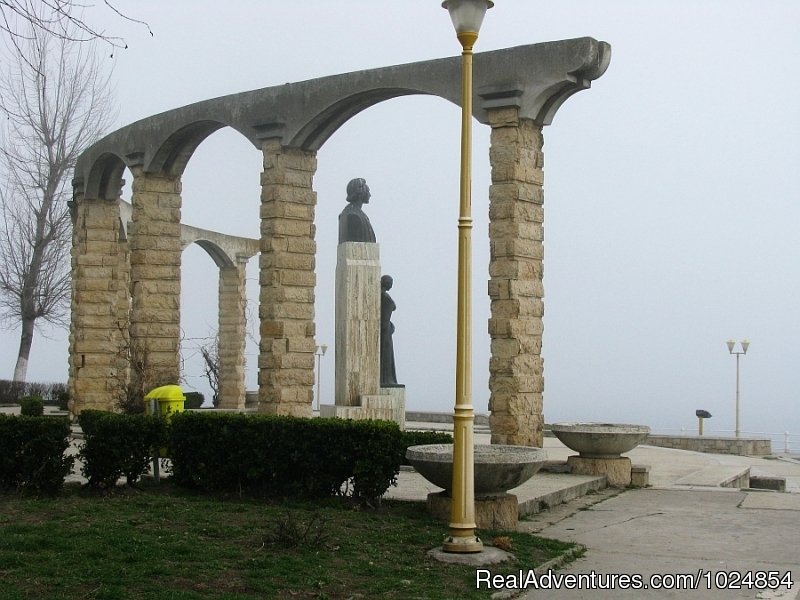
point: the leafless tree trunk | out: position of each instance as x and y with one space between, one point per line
210 353
55 100
61 19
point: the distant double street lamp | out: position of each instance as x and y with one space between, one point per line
731 345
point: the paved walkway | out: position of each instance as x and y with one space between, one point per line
669 528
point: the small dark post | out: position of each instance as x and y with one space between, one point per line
701 414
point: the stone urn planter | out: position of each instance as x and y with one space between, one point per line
600 447
600 440
498 469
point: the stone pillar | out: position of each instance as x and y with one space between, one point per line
99 310
516 235
358 322
287 280
231 335
155 242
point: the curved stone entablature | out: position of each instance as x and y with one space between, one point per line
536 79
225 250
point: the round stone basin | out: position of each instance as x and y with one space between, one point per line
498 468
600 440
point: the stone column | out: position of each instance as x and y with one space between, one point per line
287 280
516 213
231 335
99 310
155 242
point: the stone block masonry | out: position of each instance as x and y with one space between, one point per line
516 237
155 276
99 324
287 262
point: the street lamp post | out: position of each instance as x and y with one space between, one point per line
319 353
467 16
731 345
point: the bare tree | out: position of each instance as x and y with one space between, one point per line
61 19
210 353
56 100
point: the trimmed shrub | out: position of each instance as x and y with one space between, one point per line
31 406
118 445
62 400
32 453
419 438
193 400
285 456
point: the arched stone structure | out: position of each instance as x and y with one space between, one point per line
518 91
230 254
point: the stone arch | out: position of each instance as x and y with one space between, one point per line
174 153
230 254
325 123
104 179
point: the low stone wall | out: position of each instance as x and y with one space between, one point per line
713 445
441 417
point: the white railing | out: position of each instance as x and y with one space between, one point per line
782 443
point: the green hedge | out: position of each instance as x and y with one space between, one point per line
31 406
118 445
420 438
32 453
285 456
193 400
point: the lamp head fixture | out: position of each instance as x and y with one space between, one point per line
731 345
467 17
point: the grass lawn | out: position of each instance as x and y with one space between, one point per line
159 543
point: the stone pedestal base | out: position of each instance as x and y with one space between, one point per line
617 470
389 405
358 322
497 512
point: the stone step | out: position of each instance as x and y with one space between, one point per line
546 490
718 476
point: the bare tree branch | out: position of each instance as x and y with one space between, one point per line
23 20
55 100
210 353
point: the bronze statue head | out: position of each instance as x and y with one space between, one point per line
358 191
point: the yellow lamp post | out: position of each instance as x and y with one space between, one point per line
467 16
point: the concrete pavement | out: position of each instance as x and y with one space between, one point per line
682 524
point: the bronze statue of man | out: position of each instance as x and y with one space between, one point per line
354 225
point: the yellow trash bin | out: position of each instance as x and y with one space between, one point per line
170 400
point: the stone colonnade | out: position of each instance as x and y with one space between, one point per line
126 296
519 91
